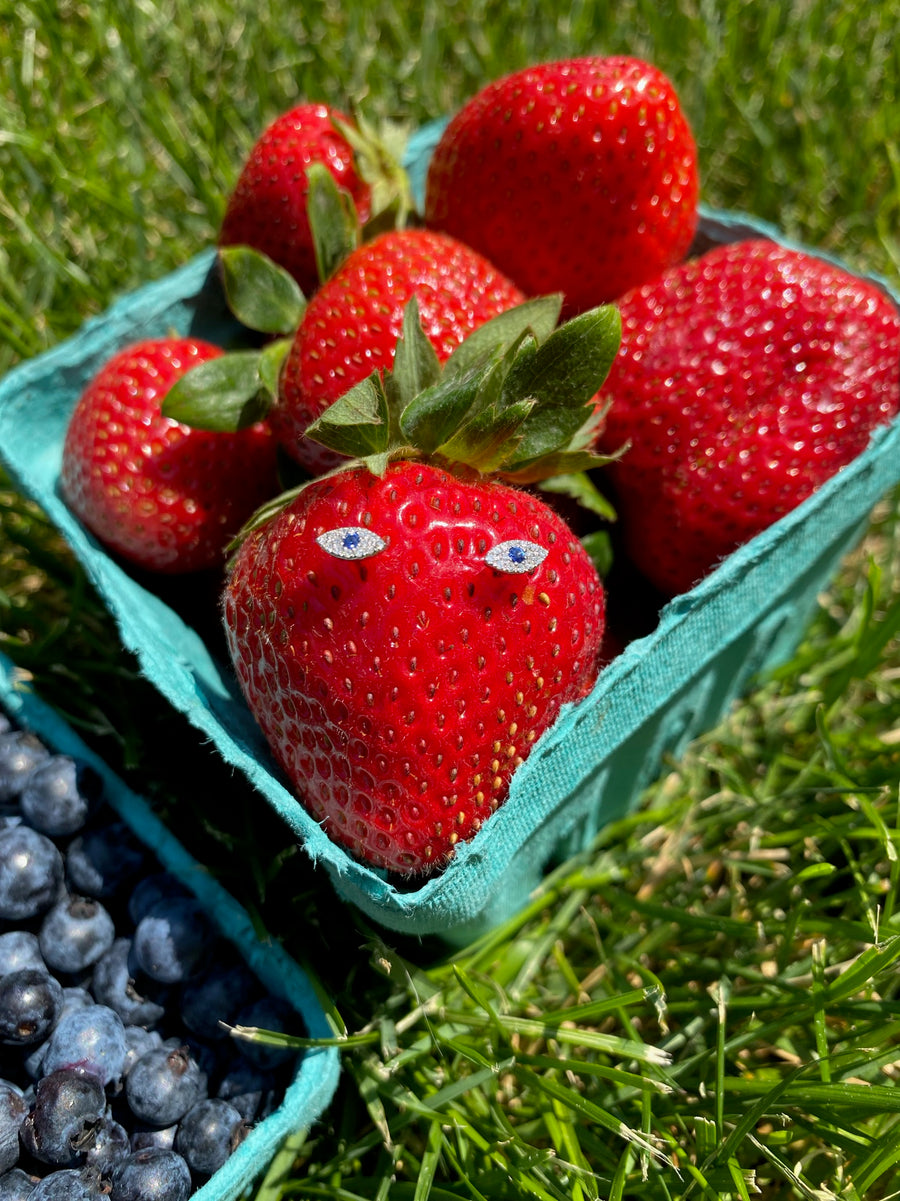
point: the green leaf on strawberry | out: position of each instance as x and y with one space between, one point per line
561 375
358 424
436 414
538 316
579 486
262 295
416 366
333 221
271 358
599 548
486 441
224 394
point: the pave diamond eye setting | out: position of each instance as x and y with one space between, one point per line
516 555
351 542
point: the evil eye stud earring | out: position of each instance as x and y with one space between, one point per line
517 555
351 542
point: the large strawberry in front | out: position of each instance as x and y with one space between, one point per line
577 176
403 641
405 628
745 379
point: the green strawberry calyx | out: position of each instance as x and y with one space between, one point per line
513 400
516 400
378 153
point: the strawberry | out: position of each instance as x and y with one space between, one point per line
352 323
745 378
577 176
163 496
268 206
405 628
401 690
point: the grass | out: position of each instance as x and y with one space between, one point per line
706 1003
121 125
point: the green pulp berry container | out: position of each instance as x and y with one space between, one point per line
315 1077
668 685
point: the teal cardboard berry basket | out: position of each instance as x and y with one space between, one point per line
590 767
316 1076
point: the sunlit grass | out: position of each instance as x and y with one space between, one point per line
122 125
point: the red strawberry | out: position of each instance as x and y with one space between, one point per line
407 627
351 325
745 378
577 176
165 497
267 209
401 690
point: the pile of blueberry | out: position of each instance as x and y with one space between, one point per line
117 1077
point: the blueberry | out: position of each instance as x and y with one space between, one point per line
254 1092
75 932
31 871
59 795
67 1107
75 997
18 949
208 1133
206 1056
20 753
138 1041
216 998
16 1185
174 940
67 1184
163 1085
114 984
103 859
91 1038
151 1174
154 1136
268 1013
30 1005
153 888
13 1109
109 1144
